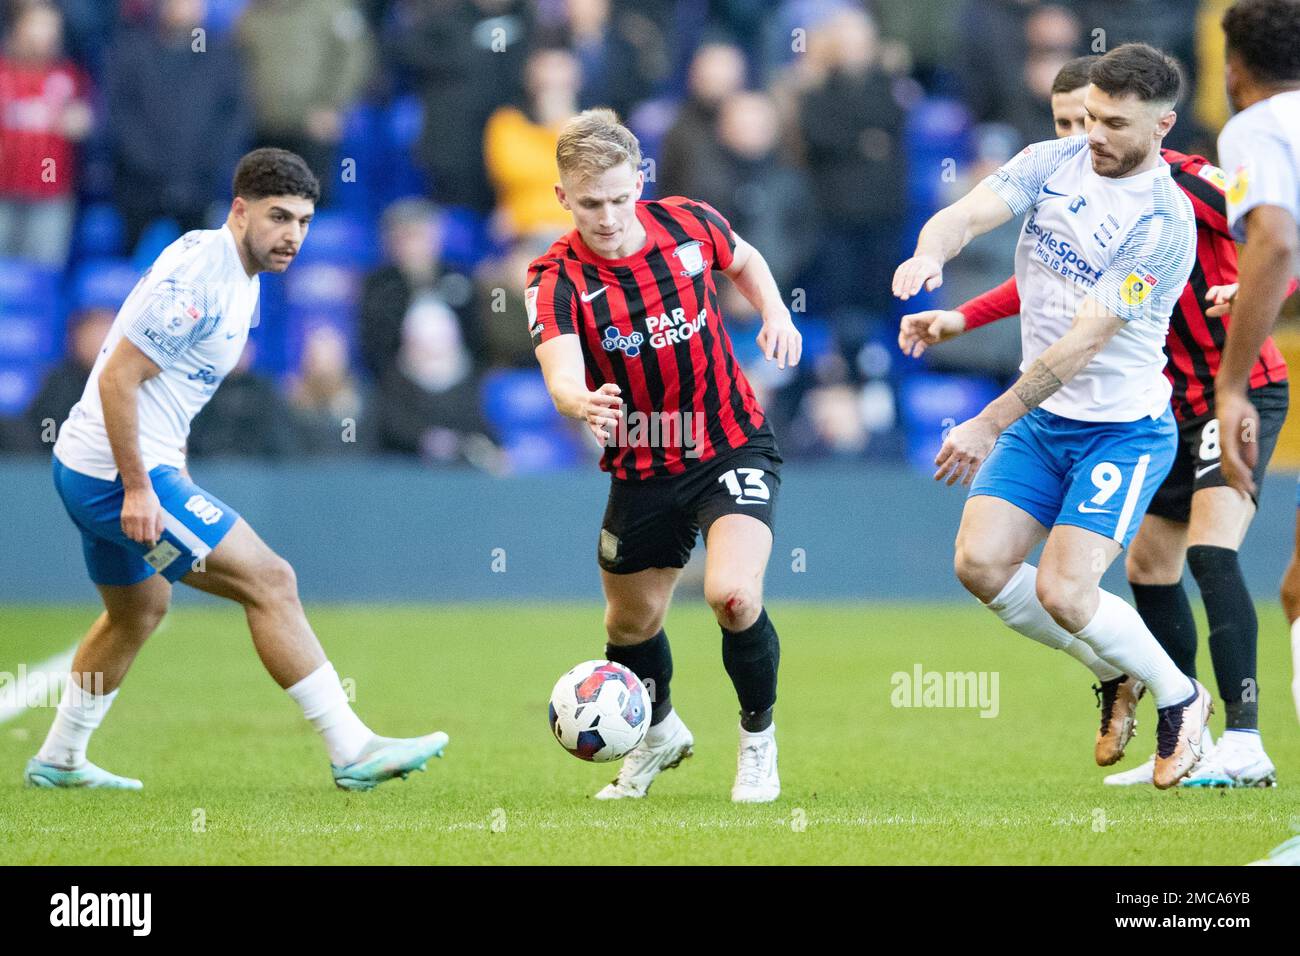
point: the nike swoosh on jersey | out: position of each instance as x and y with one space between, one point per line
1083 507
1052 192
1207 469
588 296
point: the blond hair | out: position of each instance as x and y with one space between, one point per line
595 141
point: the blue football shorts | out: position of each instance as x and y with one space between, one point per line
194 523
1096 475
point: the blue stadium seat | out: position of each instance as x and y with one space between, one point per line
339 237
157 236
103 283
222 15
517 398
402 125
100 232
533 451
931 403
321 284
465 239
19 383
31 327
363 143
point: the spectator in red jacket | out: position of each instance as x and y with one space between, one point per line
43 114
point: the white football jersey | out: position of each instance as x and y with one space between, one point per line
190 313
1129 243
1259 150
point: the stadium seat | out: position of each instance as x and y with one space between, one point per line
100 232
532 451
340 237
932 403
402 124
157 236
30 311
517 398
103 283
310 285
465 239
19 383
222 15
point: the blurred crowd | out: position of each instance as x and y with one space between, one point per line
825 130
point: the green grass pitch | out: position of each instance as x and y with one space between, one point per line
233 775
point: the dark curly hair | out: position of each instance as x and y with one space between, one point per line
1265 34
1149 74
274 172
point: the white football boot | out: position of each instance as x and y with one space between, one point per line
756 777
666 745
1233 764
1144 774
1180 730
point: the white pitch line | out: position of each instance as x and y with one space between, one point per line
15 693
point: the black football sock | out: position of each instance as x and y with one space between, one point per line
1234 631
1167 614
652 661
752 657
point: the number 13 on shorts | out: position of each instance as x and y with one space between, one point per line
746 485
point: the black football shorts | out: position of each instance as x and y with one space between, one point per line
653 523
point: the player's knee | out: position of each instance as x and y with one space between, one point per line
1144 565
141 619
632 625
1291 591
276 580
1064 598
980 574
736 606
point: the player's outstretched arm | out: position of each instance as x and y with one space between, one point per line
1266 263
119 388
946 234
566 380
778 338
970 443
919 330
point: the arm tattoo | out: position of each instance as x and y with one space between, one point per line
1038 384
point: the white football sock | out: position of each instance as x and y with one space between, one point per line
1116 633
79 715
1242 740
325 705
1019 608
661 731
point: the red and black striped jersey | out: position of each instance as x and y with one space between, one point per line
650 323
1195 341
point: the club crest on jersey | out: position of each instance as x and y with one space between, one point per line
1137 287
690 255
629 345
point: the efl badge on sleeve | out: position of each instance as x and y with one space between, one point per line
530 304
691 258
1137 287
1240 184
1214 176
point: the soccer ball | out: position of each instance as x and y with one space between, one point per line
599 711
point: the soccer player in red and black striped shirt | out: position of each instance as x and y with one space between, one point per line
1195 516
624 315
